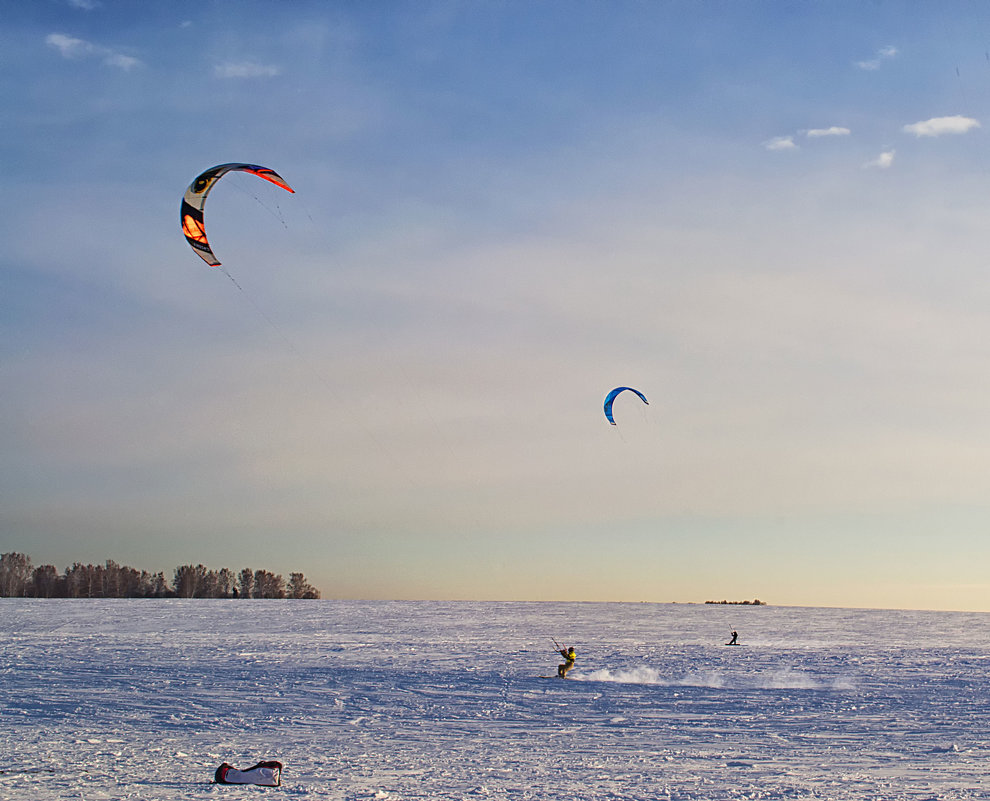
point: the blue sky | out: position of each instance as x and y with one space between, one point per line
768 217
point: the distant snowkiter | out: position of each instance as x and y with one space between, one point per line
569 657
735 637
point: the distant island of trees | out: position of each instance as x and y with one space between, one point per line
755 602
20 579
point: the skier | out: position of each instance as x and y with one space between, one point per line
735 636
569 657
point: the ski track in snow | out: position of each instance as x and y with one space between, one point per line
144 699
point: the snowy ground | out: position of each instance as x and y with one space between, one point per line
144 699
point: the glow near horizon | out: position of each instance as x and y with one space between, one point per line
770 220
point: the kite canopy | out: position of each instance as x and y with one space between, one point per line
191 213
611 397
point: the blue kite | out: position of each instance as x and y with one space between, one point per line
611 397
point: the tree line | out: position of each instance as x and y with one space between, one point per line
20 579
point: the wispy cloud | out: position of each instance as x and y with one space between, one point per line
881 162
937 126
85 5
69 46
780 143
72 48
835 130
245 69
883 54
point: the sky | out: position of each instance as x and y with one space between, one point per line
768 217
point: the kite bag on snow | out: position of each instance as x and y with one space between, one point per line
267 774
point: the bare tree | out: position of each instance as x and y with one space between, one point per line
300 588
225 582
268 585
189 581
84 581
15 574
208 584
159 587
45 582
246 582
73 581
110 580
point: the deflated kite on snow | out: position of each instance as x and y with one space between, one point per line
611 397
194 200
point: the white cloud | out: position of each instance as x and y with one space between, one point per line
122 61
937 126
73 48
883 54
835 130
69 46
85 5
780 143
881 162
245 69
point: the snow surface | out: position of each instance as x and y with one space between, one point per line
363 700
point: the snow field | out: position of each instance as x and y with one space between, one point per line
361 700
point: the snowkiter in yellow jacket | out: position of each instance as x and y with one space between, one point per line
569 657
